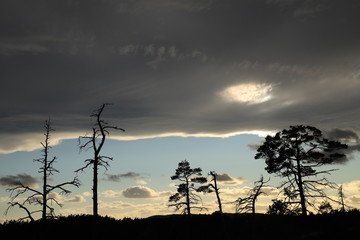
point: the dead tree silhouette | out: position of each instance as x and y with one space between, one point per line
44 197
248 203
96 142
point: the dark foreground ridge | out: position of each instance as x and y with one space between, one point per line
227 226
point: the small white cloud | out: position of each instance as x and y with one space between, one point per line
128 50
231 193
111 194
161 51
115 205
353 200
86 194
165 193
172 51
140 181
5 199
352 188
149 50
75 199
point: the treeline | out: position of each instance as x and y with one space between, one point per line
295 154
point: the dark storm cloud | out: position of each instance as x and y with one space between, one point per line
19 179
165 65
348 137
342 135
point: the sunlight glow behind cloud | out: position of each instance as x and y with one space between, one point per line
31 141
252 93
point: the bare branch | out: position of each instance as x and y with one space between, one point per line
12 204
75 182
90 162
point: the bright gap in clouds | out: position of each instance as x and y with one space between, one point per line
252 93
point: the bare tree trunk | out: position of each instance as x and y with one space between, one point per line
45 168
95 187
341 196
258 192
44 195
95 169
213 174
218 198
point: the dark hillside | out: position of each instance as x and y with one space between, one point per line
228 226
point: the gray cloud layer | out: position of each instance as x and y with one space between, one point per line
164 63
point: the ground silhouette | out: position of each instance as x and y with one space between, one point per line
215 226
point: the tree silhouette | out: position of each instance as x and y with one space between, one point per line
212 188
96 143
43 197
216 189
295 154
280 207
185 198
247 204
325 208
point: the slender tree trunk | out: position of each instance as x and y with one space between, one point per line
95 183
44 195
301 190
217 192
188 208
45 171
219 201
257 193
253 200
253 206
341 196
95 172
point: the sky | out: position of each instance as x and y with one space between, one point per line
202 80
